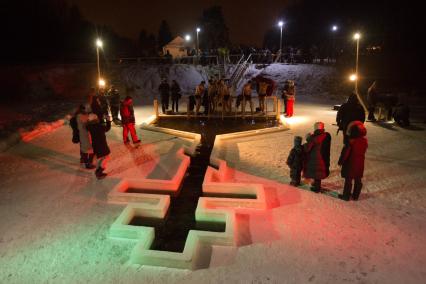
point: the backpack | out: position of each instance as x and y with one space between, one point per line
75 133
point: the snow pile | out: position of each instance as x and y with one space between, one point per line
311 80
143 80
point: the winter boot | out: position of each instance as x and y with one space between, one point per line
316 186
357 189
89 162
82 158
100 173
346 190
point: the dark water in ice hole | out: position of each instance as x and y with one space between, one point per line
171 232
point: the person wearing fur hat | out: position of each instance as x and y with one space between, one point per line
97 130
317 151
128 120
352 160
295 161
350 111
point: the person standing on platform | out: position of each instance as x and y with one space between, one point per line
247 98
199 92
291 97
263 86
176 95
164 90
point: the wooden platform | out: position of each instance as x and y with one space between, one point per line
219 116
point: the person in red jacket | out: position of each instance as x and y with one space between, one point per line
128 120
352 160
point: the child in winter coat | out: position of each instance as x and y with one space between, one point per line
352 160
128 120
97 130
317 150
295 161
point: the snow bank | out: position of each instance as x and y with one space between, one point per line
311 80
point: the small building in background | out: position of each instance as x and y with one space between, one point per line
178 47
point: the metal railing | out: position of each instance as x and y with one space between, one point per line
241 69
236 110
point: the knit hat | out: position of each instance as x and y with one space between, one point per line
356 129
319 125
297 140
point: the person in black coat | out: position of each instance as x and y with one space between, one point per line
99 105
164 90
295 161
175 90
114 103
372 97
401 115
97 130
350 111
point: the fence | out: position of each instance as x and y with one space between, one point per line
236 110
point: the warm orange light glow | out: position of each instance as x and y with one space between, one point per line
101 83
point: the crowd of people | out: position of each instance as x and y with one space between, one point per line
93 119
217 96
312 158
393 106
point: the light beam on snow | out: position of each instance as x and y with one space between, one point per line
294 120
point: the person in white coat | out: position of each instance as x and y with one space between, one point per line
86 149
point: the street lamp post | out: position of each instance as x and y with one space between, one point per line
357 36
280 24
198 30
98 45
334 29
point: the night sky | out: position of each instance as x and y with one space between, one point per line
247 20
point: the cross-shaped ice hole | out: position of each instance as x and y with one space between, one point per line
170 229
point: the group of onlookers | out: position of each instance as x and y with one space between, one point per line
313 157
93 119
392 105
165 91
218 93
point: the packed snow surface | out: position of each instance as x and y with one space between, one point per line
55 216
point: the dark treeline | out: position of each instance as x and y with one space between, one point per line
55 31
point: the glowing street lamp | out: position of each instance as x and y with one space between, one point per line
101 83
198 30
99 44
187 37
334 28
281 24
353 77
357 36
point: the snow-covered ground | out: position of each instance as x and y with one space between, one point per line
55 217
